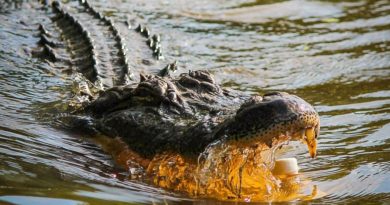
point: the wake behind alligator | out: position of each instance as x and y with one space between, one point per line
184 133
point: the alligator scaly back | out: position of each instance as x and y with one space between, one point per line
92 44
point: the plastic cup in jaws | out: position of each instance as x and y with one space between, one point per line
286 166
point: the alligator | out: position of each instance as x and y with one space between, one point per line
157 113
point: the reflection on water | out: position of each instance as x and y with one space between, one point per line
334 54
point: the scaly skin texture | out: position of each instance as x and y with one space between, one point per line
162 118
187 114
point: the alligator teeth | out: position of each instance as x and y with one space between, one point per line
310 139
310 134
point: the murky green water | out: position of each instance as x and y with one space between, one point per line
335 54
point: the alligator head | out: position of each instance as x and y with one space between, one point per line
187 114
275 114
196 134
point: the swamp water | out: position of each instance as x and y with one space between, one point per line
334 54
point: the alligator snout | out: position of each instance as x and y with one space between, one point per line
265 119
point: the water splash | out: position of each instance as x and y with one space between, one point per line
228 171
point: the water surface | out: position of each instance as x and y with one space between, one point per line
334 54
